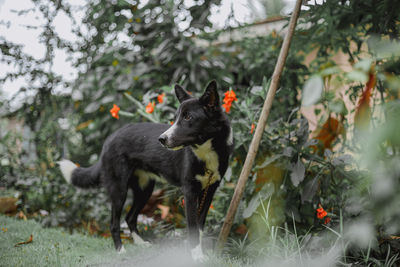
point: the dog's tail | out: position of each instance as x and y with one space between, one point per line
81 177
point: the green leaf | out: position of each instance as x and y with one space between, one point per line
126 114
384 48
393 81
256 90
309 190
266 191
268 161
342 160
312 91
357 76
92 107
297 175
133 100
364 65
265 84
338 107
330 71
252 206
228 174
167 89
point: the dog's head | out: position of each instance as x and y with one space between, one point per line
196 119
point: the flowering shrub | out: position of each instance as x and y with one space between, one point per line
349 163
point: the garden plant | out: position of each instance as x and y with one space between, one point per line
324 189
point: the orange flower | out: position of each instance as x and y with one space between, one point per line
212 206
252 128
321 213
160 98
327 220
230 96
227 107
114 111
183 202
150 107
171 122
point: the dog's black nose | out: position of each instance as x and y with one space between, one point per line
162 139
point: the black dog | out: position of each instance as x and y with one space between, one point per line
193 153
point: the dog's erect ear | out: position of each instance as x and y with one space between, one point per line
181 94
210 98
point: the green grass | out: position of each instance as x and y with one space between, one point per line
54 247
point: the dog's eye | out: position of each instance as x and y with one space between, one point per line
187 117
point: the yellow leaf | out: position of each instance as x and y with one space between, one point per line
25 242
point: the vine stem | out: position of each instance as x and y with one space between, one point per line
252 152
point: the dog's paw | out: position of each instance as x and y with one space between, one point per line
121 250
146 244
137 240
197 254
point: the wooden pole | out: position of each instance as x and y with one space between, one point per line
251 154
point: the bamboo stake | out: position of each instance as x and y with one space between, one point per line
251 154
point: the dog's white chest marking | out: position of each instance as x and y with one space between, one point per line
144 177
206 153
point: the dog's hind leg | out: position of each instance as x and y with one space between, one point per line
140 198
118 198
117 187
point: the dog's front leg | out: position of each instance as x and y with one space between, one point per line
191 205
206 205
191 217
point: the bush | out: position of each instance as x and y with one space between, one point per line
342 176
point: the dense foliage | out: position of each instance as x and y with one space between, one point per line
130 54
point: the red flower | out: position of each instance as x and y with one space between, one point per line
227 107
183 202
327 220
321 213
160 98
230 96
252 128
114 111
150 107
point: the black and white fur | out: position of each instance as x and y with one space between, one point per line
136 155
